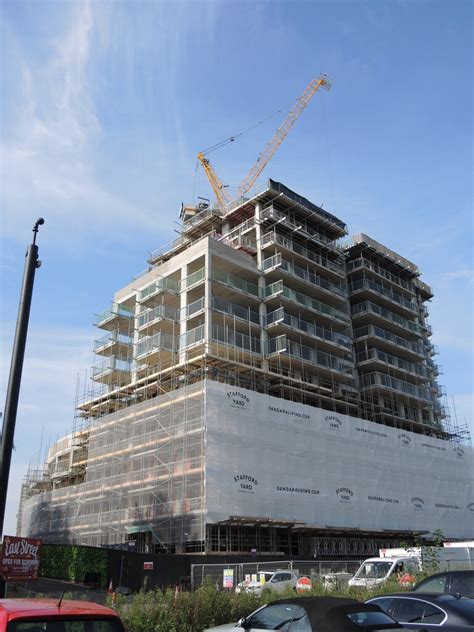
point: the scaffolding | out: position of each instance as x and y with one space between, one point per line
260 298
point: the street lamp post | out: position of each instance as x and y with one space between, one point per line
13 390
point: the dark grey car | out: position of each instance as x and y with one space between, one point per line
428 611
454 582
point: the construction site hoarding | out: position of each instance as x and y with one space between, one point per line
268 457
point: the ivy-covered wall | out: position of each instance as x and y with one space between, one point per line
74 563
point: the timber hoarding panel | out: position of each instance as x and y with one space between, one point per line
270 457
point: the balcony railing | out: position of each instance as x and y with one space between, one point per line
115 311
368 307
193 279
298 226
281 344
192 337
378 288
393 361
158 342
303 274
194 308
362 262
163 284
234 338
395 384
111 363
313 304
242 313
378 332
114 337
288 243
236 282
157 313
307 327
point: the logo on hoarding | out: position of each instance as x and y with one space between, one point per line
459 452
333 422
345 494
471 507
405 440
417 502
238 399
245 483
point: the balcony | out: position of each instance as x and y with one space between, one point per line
376 356
112 370
155 315
302 274
300 325
297 351
236 283
272 237
160 285
387 382
299 227
194 308
244 314
154 345
363 263
280 290
114 343
360 285
232 338
117 317
193 279
392 339
367 308
192 337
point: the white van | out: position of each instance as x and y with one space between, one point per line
377 570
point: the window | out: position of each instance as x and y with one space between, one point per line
408 610
370 618
434 584
463 584
278 617
383 602
58 624
433 614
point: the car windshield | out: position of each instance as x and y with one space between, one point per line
66 624
374 570
264 577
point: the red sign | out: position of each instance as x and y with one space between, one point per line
303 585
147 566
20 558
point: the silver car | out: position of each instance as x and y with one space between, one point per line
278 581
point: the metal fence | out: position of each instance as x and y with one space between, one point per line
318 571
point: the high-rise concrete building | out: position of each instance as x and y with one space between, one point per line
261 386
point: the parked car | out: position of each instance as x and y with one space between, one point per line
54 615
428 611
453 582
314 614
277 581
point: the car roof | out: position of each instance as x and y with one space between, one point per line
444 573
328 614
429 596
16 608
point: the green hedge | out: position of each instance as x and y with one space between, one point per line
206 607
73 562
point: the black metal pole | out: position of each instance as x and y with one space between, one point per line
16 367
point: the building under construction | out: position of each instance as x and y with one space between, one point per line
265 386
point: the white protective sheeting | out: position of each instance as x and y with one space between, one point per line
269 457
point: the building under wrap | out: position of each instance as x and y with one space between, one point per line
261 388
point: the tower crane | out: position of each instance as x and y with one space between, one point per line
221 191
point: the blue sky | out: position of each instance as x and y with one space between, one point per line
105 105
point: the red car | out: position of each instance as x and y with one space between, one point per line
54 615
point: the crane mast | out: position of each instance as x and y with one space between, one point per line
221 192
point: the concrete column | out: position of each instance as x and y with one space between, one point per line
262 308
208 300
183 302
